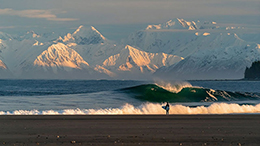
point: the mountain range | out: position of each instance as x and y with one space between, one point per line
176 49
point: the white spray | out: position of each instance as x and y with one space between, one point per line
148 108
174 87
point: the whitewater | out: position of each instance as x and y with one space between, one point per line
104 97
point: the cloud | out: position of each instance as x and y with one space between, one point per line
6 27
44 14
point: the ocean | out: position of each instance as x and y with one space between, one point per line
85 97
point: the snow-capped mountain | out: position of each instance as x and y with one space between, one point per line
176 49
60 61
84 54
96 53
136 64
227 62
90 44
17 55
26 57
99 53
210 52
173 37
183 24
169 42
84 36
60 56
174 24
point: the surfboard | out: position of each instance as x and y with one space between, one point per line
166 108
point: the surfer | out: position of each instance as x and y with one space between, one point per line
167 108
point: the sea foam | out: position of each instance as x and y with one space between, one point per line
148 108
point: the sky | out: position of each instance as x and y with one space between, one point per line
115 17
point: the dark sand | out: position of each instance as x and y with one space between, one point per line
149 130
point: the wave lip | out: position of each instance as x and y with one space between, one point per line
175 88
147 109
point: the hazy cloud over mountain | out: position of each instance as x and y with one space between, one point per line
45 14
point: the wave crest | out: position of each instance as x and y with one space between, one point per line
173 87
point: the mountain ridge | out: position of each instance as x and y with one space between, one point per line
176 49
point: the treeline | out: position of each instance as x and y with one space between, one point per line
253 72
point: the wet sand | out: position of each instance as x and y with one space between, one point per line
147 130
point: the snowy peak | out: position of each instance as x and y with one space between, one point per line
134 60
183 24
140 58
79 29
83 31
59 55
84 36
174 24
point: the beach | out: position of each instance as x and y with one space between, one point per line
237 129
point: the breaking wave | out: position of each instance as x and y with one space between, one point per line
148 108
175 88
184 92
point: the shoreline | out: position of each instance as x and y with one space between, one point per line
234 129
